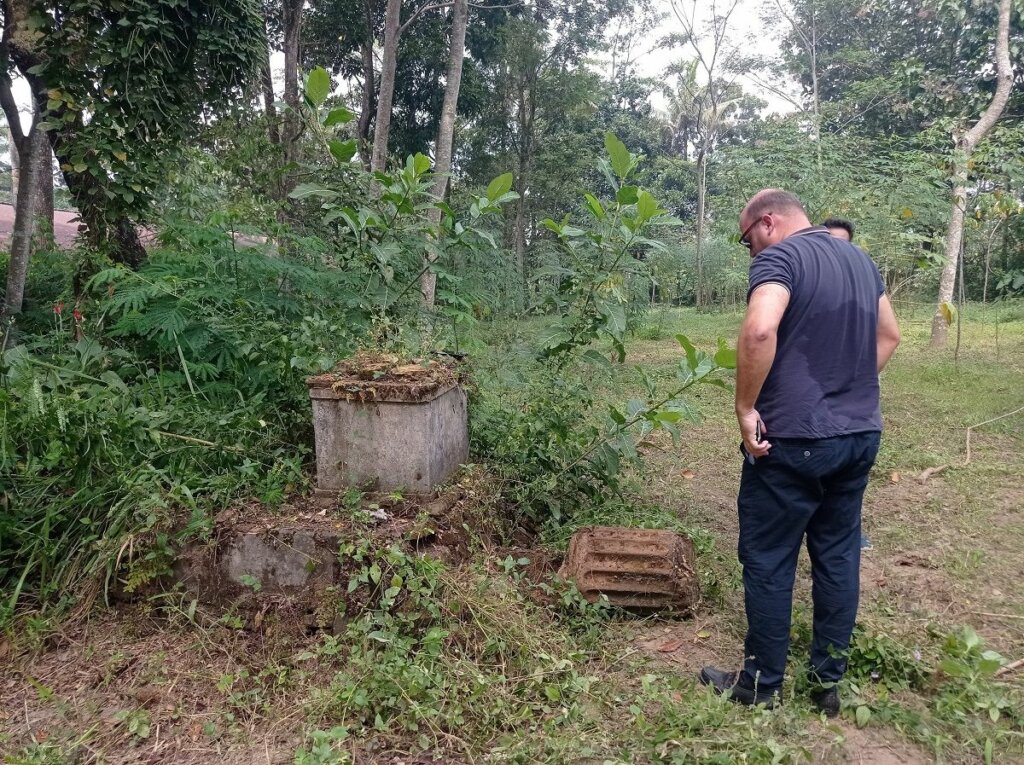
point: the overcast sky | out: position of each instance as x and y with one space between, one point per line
747 32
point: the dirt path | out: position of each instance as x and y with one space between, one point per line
65 225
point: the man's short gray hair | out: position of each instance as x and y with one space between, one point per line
773 201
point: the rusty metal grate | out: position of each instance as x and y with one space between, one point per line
644 569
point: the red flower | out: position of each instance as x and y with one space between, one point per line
58 308
78 316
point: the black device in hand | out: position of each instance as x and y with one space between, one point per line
757 437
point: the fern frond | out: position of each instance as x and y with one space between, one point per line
163 318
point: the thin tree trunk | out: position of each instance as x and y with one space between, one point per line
44 179
446 131
988 261
269 100
965 147
816 99
15 163
292 22
24 226
369 89
519 230
386 94
702 186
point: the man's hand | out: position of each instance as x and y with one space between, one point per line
750 426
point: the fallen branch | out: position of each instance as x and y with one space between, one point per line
967 459
199 441
999 616
929 472
1010 667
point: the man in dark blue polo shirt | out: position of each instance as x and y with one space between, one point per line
818 330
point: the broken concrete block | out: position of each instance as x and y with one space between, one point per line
644 569
282 561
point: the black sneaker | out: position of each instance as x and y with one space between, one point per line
827 701
728 682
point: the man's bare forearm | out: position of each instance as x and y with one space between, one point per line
886 348
755 355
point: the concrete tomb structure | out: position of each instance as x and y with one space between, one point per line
383 426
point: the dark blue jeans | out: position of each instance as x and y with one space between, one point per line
813 487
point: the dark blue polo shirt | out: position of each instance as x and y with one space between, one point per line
824 380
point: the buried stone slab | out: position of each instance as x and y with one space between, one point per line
640 569
282 561
404 428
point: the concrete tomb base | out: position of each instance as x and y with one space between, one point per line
406 435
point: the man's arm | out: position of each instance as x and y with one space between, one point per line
755 353
888 332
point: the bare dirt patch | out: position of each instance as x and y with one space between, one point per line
872 746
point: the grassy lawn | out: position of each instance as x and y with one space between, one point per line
516 672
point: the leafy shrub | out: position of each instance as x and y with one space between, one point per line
174 389
556 450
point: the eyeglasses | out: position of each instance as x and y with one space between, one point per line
743 237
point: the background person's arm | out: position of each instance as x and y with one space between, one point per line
888 332
755 354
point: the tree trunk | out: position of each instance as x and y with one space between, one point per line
526 112
89 196
386 94
44 178
702 193
118 237
15 163
965 147
519 230
369 89
815 94
24 225
446 131
273 129
292 21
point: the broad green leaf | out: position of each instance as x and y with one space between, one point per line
305 190
725 357
948 311
627 195
646 207
596 357
338 116
342 151
863 716
617 417
595 206
668 416
421 163
615 318
621 159
499 186
552 225
318 86
691 352
112 379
